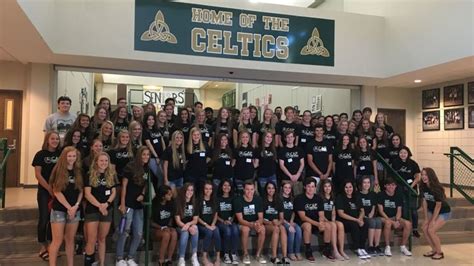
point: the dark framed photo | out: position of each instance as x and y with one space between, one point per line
470 92
454 118
430 99
431 120
453 95
470 116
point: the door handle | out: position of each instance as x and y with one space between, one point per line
13 145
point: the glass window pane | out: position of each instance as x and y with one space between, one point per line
8 124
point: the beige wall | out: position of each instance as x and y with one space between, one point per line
35 80
212 97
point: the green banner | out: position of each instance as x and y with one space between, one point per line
189 29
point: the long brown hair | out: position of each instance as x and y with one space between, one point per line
217 149
181 199
45 145
60 175
272 145
138 169
433 184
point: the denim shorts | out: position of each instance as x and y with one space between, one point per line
62 217
98 217
445 216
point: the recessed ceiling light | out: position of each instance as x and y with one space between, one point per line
216 85
417 80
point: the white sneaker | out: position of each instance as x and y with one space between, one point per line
387 251
227 259
181 262
261 259
131 262
246 259
365 253
121 263
405 251
194 259
235 259
360 254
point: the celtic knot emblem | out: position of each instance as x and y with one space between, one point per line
159 31
315 46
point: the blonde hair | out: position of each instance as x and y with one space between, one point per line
60 175
174 149
129 144
189 146
241 120
131 126
109 172
241 133
101 133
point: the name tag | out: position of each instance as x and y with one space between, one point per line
303 140
349 163
409 181
202 154
324 149
155 141
248 160
290 160
227 162
362 167
207 135
107 192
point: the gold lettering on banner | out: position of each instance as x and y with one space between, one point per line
159 31
315 46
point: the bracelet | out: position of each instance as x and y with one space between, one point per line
77 204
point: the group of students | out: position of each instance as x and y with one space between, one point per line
223 180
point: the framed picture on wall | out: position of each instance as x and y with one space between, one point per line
431 120
430 99
453 95
454 118
470 92
470 116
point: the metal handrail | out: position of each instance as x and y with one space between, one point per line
455 156
3 169
148 204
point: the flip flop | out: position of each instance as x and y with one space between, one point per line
441 256
44 255
429 254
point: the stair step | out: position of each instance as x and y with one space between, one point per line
456 212
18 214
18 228
450 237
458 202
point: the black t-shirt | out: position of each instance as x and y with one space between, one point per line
249 127
101 193
120 157
223 128
288 208
47 160
431 200
163 214
133 189
331 136
165 133
271 210
282 126
327 207
107 144
262 127
407 169
225 208
222 166
393 153
174 173
197 164
368 201
390 203
206 133
189 212
364 161
267 163
311 207
320 151
306 134
118 126
350 206
368 136
344 163
244 168
184 127
156 140
291 158
382 149
207 211
250 209
71 193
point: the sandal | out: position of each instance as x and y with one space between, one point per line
429 254
438 256
44 255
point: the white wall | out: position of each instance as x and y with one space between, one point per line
70 84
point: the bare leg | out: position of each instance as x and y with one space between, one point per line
434 237
406 231
428 236
377 234
340 238
104 228
371 237
57 230
387 229
92 230
261 241
69 237
283 241
334 239
306 227
244 238
172 244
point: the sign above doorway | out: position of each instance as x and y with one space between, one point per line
189 29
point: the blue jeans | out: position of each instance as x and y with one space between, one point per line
183 242
262 181
230 237
209 237
134 221
294 239
157 170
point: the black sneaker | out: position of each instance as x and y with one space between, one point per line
309 256
275 260
328 254
416 234
379 251
372 251
285 261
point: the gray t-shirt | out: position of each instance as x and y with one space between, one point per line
59 122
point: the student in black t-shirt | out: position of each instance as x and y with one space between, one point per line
197 154
249 213
222 161
273 219
99 191
44 162
122 153
106 135
223 124
369 203
244 161
319 156
293 230
327 215
351 213
206 131
165 233
268 124
390 209
67 186
343 163
183 123
267 161
186 218
120 119
366 162
207 223
135 129
330 131
73 138
163 127
137 113
380 145
245 124
226 223
305 130
291 162
132 195
174 161
435 209
83 124
153 139
285 125
380 122
394 147
366 131
307 206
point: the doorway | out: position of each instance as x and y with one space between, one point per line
10 128
395 118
